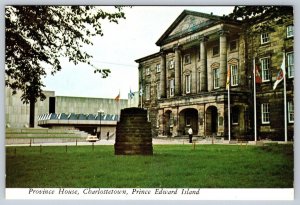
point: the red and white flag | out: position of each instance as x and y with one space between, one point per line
280 75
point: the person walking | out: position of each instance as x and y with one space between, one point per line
190 131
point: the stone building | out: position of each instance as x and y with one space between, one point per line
184 84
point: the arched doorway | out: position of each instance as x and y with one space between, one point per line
211 120
168 123
188 118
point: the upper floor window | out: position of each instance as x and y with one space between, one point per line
216 78
187 58
147 71
158 68
147 92
215 50
265 69
289 31
234 75
290 64
171 84
187 84
171 64
158 90
233 45
291 111
265 113
264 38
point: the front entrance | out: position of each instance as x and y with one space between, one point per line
211 120
188 118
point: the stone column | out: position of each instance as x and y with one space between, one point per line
223 58
203 64
177 71
163 75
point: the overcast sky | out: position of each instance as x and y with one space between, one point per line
121 45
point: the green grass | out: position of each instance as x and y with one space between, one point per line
174 166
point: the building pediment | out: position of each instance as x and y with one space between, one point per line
187 23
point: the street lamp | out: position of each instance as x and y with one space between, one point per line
100 112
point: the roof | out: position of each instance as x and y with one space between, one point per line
212 19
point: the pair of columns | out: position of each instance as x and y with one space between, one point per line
205 85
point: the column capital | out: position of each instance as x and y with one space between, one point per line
203 38
177 47
223 32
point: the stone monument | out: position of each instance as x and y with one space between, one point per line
133 133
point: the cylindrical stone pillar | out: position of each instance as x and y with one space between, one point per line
163 72
223 58
203 64
177 71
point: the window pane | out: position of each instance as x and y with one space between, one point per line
290 57
291 111
216 77
265 64
234 74
264 38
265 113
290 31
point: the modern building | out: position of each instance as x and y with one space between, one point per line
184 84
66 112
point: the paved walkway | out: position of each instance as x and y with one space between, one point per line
154 141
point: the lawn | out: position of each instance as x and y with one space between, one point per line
171 166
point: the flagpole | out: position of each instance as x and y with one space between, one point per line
254 99
228 92
284 95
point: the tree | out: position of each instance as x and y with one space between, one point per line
37 36
255 15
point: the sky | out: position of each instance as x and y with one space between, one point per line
132 38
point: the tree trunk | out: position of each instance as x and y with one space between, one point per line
31 112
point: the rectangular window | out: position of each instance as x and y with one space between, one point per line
147 92
289 31
264 38
215 50
171 87
216 77
158 90
232 45
187 59
291 111
265 113
147 71
235 115
187 84
265 71
158 68
234 75
171 64
290 64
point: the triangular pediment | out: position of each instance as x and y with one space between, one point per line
187 22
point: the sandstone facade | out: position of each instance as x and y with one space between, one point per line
184 84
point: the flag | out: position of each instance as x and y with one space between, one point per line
131 94
228 78
257 74
280 75
117 99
